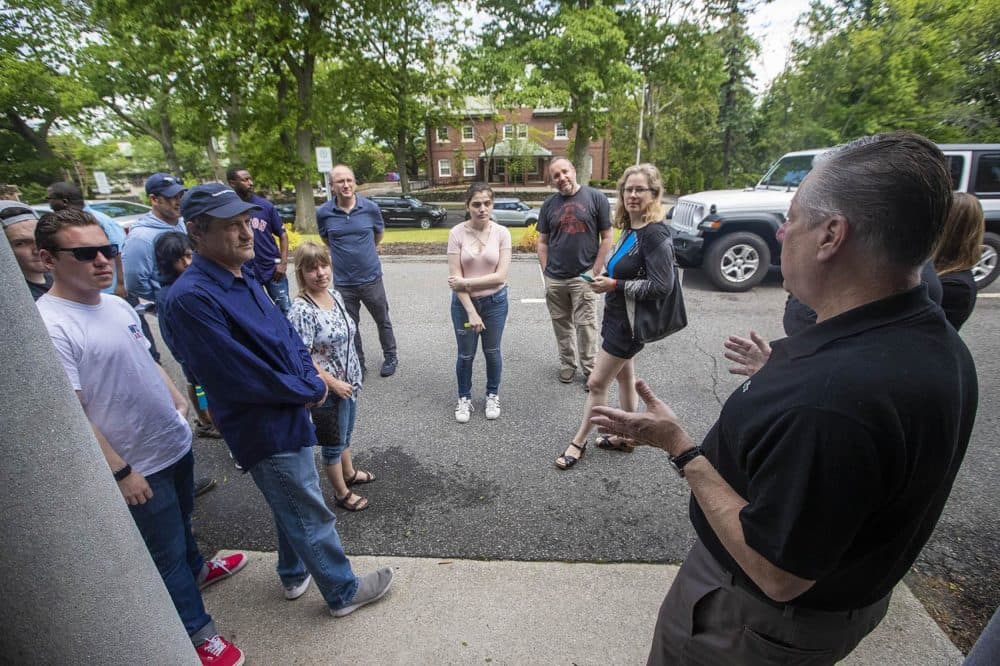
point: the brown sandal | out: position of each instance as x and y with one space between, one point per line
354 480
565 462
360 504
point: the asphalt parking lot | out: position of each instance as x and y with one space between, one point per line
489 490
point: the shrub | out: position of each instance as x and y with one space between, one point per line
294 237
529 241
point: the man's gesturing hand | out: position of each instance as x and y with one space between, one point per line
657 426
749 355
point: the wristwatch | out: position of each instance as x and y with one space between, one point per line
678 462
123 472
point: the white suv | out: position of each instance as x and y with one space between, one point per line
731 233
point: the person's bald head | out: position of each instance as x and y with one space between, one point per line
342 182
563 175
64 195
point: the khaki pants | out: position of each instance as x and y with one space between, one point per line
708 620
573 308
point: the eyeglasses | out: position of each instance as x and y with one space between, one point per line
89 252
637 190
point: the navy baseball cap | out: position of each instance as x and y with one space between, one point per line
164 185
213 199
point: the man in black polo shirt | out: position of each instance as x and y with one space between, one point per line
827 469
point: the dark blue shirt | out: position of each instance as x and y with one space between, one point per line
266 224
257 374
351 237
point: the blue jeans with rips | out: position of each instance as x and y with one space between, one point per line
164 522
492 310
306 529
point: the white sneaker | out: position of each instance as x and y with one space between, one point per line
492 406
463 410
296 591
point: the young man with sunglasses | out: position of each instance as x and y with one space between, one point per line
137 414
19 227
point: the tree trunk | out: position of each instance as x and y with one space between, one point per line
166 139
232 124
400 153
305 213
213 160
581 145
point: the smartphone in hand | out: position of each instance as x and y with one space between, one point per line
587 277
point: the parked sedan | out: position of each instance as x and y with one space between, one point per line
409 212
122 212
511 212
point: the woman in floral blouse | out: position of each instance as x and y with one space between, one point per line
319 316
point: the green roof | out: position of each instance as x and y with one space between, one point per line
516 148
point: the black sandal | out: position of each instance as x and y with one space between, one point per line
616 444
359 504
565 462
354 480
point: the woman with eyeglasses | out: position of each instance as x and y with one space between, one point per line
478 259
641 265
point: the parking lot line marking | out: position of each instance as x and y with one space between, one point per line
542 300
987 295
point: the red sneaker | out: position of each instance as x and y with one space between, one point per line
223 567
217 651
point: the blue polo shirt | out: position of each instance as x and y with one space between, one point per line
351 237
257 374
266 224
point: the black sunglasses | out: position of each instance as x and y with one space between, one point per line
89 252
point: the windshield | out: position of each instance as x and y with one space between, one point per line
788 171
414 202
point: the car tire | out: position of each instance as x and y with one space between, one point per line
987 270
424 223
737 262
531 220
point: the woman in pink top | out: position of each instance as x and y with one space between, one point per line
478 259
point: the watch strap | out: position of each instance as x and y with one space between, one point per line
123 472
683 459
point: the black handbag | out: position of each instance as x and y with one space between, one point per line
656 318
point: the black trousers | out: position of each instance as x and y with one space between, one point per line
373 296
707 619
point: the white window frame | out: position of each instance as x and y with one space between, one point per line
437 135
444 168
508 131
522 130
469 168
560 132
472 134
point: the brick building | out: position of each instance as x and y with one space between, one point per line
504 147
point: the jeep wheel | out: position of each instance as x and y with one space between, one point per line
425 223
737 262
985 272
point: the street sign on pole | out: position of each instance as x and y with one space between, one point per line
102 182
324 159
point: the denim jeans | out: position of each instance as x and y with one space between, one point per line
334 421
492 310
278 291
373 296
165 524
306 529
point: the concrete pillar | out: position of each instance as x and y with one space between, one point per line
77 585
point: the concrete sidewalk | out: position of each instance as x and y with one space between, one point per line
471 612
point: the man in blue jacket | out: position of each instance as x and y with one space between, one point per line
260 381
164 193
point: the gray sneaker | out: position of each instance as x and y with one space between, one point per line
371 588
295 591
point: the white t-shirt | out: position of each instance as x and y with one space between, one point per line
107 358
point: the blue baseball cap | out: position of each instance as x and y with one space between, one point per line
213 199
164 185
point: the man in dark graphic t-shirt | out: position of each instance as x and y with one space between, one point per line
574 237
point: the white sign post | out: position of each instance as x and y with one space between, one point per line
324 164
102 182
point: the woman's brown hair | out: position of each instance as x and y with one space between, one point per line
654 212
309 255
960 245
